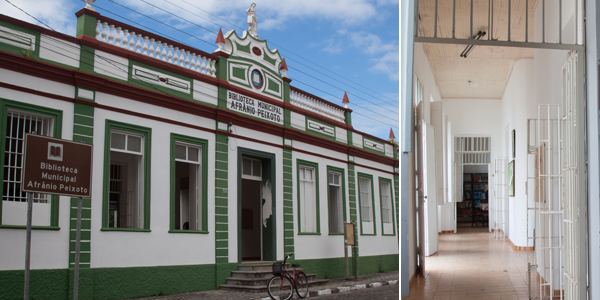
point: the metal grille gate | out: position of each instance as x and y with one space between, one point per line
554 195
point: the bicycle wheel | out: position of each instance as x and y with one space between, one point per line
280 288
301 285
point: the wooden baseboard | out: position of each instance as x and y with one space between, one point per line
520 248
446 231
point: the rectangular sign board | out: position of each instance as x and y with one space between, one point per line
55 166
349 231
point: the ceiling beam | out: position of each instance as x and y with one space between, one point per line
438 40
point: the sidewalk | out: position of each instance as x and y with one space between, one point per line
335 285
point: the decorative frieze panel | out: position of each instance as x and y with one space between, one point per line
161 79
372 145
321 128
17 38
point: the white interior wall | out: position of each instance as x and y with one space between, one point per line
518 104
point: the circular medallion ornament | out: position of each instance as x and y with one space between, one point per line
256 79
256 50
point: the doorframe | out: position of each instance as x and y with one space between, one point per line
263 156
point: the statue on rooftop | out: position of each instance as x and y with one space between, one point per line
252 26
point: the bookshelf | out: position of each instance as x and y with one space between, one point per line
474 207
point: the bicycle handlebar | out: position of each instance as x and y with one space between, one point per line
287 257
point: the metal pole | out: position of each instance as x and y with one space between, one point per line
77 250
28 245
435 19
471 24
509 11
355 250
526 20
346 249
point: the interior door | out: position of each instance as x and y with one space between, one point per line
429 197
427 204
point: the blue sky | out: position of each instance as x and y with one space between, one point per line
330 46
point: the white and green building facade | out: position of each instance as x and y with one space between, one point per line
201 161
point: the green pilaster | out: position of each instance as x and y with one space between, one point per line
86 24
288 203
352 192
221 73
83 131
221 199
348 117
287 115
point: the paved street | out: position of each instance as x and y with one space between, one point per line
380 293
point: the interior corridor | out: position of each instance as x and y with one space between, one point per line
472 264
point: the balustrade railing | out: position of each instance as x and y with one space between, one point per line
318 106
142 42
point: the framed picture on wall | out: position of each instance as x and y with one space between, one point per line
513 139
511 178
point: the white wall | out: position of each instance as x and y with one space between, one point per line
517 106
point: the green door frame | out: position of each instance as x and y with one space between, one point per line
269 253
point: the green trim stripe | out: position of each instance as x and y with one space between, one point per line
221 202
352 192
83 131
288 202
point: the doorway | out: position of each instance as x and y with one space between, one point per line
256 203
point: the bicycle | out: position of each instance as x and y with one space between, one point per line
280 286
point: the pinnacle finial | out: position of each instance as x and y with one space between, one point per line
89 4
345 100
283 68
220 40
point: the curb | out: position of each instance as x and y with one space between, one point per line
343 289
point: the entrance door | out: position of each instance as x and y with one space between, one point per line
257 226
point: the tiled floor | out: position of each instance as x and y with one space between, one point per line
472 265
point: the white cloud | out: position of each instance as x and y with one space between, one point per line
370 43
388 64
55 13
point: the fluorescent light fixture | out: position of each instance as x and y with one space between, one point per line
469 48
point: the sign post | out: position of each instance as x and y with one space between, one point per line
59 167
28 245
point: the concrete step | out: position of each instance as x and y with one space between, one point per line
257 266
263 288
251 280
